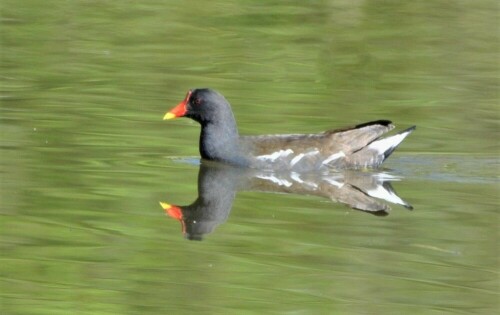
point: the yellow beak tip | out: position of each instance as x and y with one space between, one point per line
169 115
165 205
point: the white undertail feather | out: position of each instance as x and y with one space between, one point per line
388 144
388 195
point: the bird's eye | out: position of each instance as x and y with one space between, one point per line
197 101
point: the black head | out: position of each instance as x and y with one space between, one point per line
202 105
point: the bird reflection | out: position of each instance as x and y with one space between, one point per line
218 185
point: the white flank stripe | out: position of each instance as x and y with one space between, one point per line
387 177
385 144
296 177
299 157
272 157
296 159
274 179
332 157
333 182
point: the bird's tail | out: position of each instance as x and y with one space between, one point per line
386 146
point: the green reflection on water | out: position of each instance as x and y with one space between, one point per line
84 86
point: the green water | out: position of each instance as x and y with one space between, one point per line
86 157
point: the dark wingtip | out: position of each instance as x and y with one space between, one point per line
409 129
380 213
408 206
377 213
382 122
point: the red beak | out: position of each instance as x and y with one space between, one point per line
179 110
174 212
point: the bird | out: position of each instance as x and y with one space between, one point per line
219 184
357 147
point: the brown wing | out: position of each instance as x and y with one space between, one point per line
347 140
355 138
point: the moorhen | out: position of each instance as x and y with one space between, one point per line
218 185
348 148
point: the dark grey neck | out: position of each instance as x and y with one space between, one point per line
219 141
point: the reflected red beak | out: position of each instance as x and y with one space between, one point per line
179 110
172 211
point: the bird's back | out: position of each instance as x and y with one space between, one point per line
339 148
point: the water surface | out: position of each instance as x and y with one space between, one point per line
86 158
